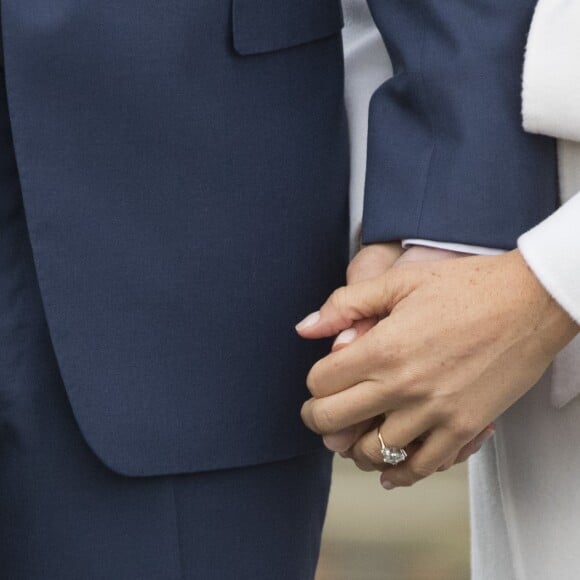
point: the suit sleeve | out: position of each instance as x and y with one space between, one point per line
447 156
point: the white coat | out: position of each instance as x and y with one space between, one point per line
525 485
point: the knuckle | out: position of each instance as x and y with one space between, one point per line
409 382
463 429
386 394
391 393
393 353
313 381
323 418
372 453
440 412
437 414
380 348
390 345
353 270
374 348
338 299
340 306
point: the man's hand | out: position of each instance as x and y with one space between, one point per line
458 342
370 262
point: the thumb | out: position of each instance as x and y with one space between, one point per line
367 299
371 261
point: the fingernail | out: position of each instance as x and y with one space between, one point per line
309 321
336 443
387 484
346 336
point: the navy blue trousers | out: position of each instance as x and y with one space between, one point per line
65 516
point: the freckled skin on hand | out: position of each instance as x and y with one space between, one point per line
446 348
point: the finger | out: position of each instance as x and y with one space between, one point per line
472 447
357 330
360 403
399 429
367 299
449 463
372 261
342 441
364 465
366 357
475 445
437 449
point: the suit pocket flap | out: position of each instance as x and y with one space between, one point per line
269 25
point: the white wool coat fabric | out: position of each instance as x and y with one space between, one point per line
525 484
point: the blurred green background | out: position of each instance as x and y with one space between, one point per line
420 533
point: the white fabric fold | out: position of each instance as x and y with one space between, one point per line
552 250
551 80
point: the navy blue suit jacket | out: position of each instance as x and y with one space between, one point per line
184 171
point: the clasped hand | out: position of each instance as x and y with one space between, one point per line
430 352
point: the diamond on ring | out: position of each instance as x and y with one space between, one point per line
391 455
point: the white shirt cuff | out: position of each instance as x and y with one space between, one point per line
452 247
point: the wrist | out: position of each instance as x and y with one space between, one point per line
553 326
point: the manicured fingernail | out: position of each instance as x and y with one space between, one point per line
346 336
309 321
387 484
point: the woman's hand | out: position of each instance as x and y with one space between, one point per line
370 262
458 342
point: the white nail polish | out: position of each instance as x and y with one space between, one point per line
309 321
387 485
346 336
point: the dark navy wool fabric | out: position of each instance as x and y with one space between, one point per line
65 516
187 204
446 145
